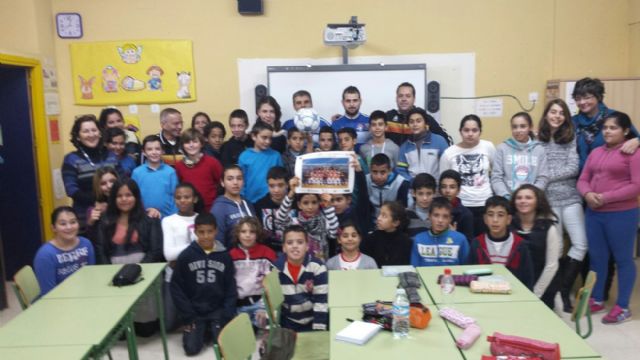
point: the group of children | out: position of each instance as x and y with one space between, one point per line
230 213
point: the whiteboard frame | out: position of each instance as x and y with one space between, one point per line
456 73
350 68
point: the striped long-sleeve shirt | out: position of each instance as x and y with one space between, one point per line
305 301
320 227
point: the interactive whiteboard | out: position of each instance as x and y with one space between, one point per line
377 84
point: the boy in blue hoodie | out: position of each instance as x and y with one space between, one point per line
231 207
257 161
439 246
421 153
203 286
384 185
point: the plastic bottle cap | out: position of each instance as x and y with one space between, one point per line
447 271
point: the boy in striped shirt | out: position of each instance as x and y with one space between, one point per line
501 246
304 282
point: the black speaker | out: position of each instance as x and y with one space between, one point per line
433 97
250 7
260 92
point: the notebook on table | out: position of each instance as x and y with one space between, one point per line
358 332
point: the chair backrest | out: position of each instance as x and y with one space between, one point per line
582 308
26 286
273 296
236 340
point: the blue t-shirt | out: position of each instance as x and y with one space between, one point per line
53 265
255 165
360 124
157 187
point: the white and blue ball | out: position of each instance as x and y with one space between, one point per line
307 120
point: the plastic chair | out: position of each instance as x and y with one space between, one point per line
309 345
26 287
582 308
236 340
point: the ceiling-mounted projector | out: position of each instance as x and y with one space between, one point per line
350 35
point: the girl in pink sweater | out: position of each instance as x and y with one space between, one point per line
610 184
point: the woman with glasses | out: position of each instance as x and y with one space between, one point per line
588 94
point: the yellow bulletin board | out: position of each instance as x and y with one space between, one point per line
133 72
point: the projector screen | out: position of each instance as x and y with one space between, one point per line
377 84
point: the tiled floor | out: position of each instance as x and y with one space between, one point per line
614 342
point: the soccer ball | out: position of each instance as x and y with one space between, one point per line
307 120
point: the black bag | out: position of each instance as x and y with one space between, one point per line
129 274
283 344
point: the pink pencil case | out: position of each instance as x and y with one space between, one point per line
469 336
456 317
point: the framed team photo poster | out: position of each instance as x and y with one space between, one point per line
325 172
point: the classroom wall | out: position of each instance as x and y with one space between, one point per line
27 30
519 45
634 37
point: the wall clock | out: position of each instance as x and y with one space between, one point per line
69 25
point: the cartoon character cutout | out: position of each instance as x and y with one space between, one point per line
130 53
184 80
129 83
110 79
155 81
86 87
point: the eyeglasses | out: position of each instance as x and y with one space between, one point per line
583 98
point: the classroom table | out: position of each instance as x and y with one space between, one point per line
520 313
88 288
434 342
65 352
429 276
531 319
78 322
354 288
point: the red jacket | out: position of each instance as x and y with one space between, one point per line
204 176
251 267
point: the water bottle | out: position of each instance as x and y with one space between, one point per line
400 315
447 287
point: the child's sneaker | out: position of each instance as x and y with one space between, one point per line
616 316
596 306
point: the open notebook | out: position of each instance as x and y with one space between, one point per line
358 332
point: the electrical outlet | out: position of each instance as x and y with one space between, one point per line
533 96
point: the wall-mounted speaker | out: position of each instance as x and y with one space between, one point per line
433 99
250 7
260 91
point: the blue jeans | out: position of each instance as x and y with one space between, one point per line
251 311
612 233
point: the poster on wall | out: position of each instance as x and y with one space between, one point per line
133 72
326 172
